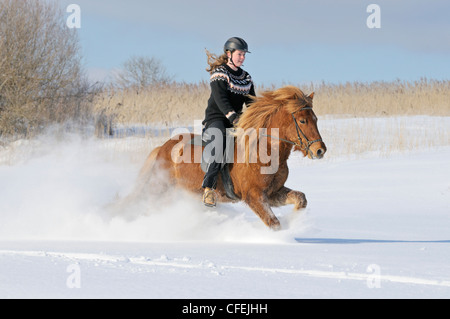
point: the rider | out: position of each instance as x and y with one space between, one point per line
230 89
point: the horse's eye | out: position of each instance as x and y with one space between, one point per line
302 121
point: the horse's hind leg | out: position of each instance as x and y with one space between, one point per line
260 205
286 196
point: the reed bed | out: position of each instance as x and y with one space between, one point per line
424 97
177 104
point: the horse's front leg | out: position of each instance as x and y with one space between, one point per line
286 196
260 204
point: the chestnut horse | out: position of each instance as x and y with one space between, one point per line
290 125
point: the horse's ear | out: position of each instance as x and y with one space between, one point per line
311 96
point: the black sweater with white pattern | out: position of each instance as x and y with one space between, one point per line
229 91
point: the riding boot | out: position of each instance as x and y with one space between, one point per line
209 197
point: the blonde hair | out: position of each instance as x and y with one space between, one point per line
215 61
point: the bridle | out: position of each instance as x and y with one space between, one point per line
303 146
299 131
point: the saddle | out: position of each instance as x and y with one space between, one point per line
224 170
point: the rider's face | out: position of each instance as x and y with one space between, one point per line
238 57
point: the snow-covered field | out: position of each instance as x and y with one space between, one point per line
377 225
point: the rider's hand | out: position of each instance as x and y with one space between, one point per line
233 117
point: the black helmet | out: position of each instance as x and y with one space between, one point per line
236 43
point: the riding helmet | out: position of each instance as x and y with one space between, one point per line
236 43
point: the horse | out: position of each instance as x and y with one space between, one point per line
287 114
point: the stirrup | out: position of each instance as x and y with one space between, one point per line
209 197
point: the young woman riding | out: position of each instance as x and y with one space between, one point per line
230 90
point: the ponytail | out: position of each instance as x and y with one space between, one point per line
214 61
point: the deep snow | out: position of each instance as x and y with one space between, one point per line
375 227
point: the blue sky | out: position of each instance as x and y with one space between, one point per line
291 41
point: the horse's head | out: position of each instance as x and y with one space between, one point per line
300 122
289 110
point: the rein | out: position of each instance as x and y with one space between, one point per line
301 145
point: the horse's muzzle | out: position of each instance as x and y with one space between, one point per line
320 152
317 152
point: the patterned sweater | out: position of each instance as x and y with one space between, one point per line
229 92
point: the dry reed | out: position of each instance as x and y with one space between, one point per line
180 103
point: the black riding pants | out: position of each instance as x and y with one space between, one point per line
215 136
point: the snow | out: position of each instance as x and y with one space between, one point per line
376 226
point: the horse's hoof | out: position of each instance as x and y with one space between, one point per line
275 226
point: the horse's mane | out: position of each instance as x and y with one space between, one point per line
262 109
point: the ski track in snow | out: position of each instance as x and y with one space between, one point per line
184 263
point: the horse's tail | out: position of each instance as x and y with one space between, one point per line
145 175
120 205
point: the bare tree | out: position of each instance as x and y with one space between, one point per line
40 66
141 72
